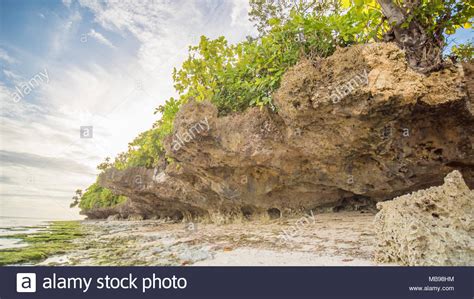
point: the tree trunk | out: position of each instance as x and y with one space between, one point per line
392 12
423 50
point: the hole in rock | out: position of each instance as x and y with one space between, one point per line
247 211
435 215
177 216
430 207
274 213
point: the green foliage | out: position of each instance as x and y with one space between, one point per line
262 12
99 197
96 196
104 165
235 77
238 76
76 198
142 151
441 16
55 239
363 22
147 148
438 18
463 52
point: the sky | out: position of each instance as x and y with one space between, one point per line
81 63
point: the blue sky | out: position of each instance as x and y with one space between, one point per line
105 64
462 36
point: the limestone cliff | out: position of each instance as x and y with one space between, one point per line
359 126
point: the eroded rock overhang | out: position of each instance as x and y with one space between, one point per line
359 126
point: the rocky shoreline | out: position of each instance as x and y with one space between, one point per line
327 239
298 185
432 227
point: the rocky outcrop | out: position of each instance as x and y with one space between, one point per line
432 227
358 126
120 211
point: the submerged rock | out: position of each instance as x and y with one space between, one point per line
355 127
431 227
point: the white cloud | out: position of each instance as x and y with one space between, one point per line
165 28
239 15
100 38
162 27
12 75
102 92
67 2
64 33
5 57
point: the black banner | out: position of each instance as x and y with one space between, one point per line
236 282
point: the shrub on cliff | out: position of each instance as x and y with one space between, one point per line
98 197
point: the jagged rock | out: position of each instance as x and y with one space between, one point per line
432 227
122 211
113 217
359 125
135 217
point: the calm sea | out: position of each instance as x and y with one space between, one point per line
18 225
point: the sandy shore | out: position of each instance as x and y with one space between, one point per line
332 239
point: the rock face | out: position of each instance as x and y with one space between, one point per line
358 126
432 227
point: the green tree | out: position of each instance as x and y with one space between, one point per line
463 52
420 27
99 197
76 198
262 12
105 165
